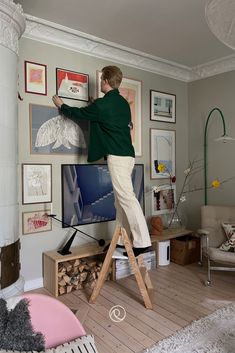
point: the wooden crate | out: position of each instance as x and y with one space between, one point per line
185 250
52 259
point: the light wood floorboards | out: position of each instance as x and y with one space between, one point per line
179 298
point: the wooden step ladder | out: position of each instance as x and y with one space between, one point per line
140 272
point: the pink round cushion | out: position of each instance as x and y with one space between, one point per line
53 319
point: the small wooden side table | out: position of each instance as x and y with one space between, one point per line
167 234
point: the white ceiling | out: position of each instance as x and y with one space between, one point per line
174 30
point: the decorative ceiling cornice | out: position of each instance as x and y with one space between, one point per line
12 24
215 67
55 34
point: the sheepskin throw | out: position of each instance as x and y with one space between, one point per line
16 331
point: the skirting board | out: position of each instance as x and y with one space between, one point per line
33 284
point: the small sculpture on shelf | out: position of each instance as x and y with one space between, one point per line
156 225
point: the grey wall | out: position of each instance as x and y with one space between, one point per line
34 245
217 91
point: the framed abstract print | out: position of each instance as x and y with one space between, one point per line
36 221
35 78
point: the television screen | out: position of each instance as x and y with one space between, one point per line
87 193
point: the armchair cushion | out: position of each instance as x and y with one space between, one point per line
228 245
216 255
211 219
229 229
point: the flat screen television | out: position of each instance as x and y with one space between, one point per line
87 193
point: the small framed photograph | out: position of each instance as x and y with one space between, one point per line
162 151
35 78
36 221
72 85
36 183
131 90
162 106
163 199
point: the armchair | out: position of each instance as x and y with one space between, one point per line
212 236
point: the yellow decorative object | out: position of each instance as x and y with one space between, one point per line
161 168
215 183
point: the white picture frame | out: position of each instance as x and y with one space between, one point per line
162 150
163 200
36 183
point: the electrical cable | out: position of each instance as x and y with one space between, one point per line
101 242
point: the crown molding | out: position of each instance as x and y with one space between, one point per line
214 67
12 24
52 33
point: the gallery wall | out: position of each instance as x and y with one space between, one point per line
204 95
33 245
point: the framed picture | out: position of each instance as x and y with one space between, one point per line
131 90
162 106
36 221
163 200
72 85
35 78
36 183
162 151
52 133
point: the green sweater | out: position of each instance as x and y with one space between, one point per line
109 118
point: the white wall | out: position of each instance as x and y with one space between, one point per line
35 244
216 91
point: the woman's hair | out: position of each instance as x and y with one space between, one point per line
113 75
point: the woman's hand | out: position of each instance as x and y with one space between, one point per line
57 101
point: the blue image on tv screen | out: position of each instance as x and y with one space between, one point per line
87 193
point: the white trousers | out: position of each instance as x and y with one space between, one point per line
129 214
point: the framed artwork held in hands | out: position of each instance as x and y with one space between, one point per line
162 106
35 78
72 85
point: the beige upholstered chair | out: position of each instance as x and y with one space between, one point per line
213 236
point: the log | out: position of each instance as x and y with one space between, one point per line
67 265
67 279
61 290
77 274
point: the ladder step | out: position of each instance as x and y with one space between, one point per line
140 272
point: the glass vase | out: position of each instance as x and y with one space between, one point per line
176 220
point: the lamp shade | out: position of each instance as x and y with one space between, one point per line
220 17
225 138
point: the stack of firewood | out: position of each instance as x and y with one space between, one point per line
78 274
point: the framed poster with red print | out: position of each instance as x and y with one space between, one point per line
72 85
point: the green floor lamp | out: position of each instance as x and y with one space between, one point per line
223 138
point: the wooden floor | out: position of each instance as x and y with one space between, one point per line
179 298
